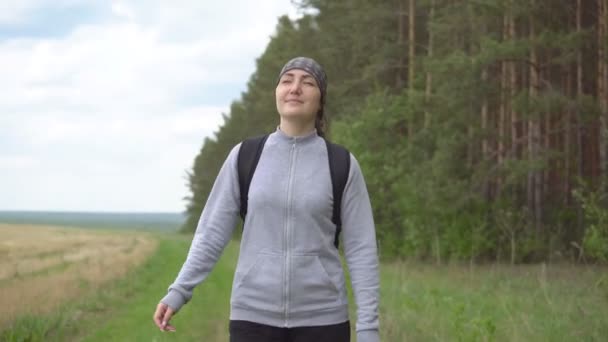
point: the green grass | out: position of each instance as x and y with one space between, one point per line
122 311
201 319
501 303
418 303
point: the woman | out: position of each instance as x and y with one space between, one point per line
289 283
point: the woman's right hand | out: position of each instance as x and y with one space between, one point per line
162 317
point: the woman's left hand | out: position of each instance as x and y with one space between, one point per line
162 317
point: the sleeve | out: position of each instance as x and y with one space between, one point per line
213 233
361 253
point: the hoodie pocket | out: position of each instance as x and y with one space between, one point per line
259 287
312 286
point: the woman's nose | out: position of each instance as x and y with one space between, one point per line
295 87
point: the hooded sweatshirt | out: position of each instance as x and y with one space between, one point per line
289 272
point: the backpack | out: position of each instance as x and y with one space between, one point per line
339 168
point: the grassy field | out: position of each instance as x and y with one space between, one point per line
494 303
419 303
42 266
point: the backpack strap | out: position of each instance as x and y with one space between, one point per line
339 168
249 155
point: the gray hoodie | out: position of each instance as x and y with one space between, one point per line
289 272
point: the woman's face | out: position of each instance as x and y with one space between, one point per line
298 96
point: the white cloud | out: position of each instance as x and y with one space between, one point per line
16 162
123 103
122 9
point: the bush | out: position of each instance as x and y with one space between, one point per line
595 240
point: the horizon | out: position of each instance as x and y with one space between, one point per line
91 212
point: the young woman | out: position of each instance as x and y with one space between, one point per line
289 283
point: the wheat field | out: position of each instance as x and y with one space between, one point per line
42 267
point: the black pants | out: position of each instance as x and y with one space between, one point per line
245 331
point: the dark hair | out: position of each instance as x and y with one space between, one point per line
321 122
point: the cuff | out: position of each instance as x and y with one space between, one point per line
174 300
368 336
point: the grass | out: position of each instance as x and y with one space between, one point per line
39 274
500 303
204 318
122 311
419 303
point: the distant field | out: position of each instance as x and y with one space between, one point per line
162 222
42 267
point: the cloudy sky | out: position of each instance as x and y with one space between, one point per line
104 104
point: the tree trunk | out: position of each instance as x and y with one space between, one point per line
577 119
545 120
513 247
512 88
437 249
567 141
485 148
602 79
512 91
412 43
411 56
502 111
400 44
429 76
534 176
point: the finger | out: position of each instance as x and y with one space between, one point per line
159 314
166 318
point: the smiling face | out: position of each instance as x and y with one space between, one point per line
298 96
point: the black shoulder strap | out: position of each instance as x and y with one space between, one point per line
249 155
339 168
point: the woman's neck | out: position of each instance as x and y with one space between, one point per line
296 128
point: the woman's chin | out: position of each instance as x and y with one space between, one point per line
295 115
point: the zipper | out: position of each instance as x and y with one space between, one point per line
287 235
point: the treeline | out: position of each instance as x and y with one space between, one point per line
481 126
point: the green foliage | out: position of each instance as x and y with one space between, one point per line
593 202
420 148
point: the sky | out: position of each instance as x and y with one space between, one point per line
105 104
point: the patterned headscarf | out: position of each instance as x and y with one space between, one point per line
310 66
